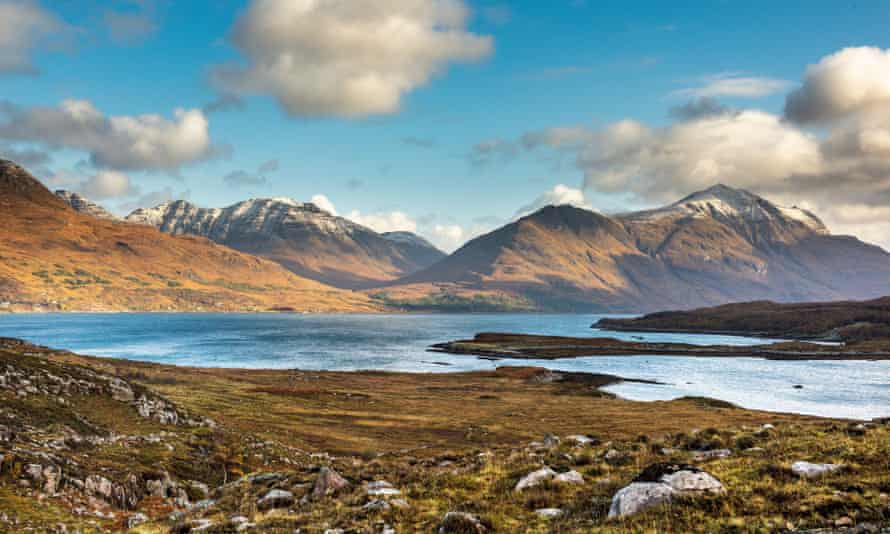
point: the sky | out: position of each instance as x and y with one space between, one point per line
452 117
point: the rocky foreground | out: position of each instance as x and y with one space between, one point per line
95 445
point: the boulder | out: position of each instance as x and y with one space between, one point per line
548 513
569 477
328 483
659 484
121 391
275 498
810 470
582 440
535 478
381 488
462 523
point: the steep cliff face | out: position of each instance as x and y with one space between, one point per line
304 238
57 258
84 205
715 246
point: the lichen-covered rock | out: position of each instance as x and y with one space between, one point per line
658 484
535 478
811 470
328 483
275 498
569 477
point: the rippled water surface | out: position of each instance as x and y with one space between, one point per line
399 343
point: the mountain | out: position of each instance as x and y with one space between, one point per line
300 236
56 258
84 205
716 246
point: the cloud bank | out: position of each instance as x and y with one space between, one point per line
143 142
24 27
347 59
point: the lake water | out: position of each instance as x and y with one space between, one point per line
399 343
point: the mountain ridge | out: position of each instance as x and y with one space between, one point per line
714 246
56 258
300 236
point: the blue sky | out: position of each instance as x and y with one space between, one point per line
563 63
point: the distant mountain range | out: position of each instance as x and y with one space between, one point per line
714 246
55 258
300 236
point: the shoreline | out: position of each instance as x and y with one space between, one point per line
498 346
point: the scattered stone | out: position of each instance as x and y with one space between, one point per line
582 440
535 478
810 470
136 519
461 523
275 498
659 484
551 440
381 488
376 505
549 513
712 455
328 483
569 477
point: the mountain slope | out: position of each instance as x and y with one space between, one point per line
303 238
84 205
56 258
715 246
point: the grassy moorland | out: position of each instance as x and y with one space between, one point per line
100 445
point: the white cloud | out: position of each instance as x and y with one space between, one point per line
560 195
350 59
847 82
143 142
744 149
394 221
24 26
731 84
107 184
447 237
324 203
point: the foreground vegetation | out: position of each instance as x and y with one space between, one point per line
156 448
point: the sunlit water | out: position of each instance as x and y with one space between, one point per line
855 389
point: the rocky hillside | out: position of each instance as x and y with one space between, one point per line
55 258
300 236
90 445
715 246
84 205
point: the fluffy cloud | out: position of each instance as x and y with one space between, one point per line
731 84
393 221
324 203
24 26
107 184
350 59
143 142
840 171
133 24
850 81
447 237
560 195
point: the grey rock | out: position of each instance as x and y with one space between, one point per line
535 478
659 484
136 519
381 488
328 483
569 477
549 513
811 470
275 498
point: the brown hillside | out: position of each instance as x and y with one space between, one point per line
54 258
